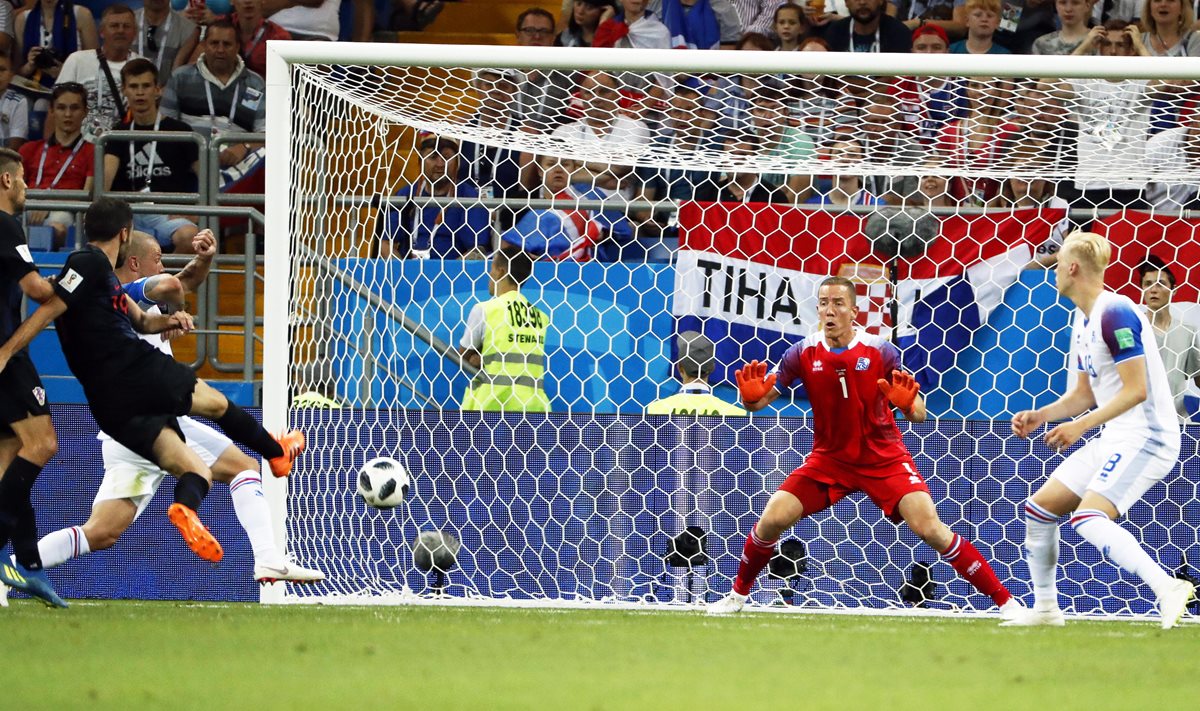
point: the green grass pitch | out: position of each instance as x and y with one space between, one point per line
133 655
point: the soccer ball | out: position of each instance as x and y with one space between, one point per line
383 483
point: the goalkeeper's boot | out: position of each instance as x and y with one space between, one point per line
1012 609
1173 602
728 605
33 582
293 445
195 534
285 570
1036 617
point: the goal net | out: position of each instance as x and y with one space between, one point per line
661 192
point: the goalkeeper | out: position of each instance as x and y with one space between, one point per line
852 380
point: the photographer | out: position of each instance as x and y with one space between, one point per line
47 33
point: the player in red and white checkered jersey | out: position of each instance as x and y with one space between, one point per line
852 379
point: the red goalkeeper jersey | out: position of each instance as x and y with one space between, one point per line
852 419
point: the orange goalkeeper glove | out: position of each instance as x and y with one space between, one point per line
753 382
902 391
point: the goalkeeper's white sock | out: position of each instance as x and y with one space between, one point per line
62 545
254 515
1041 555
1119 546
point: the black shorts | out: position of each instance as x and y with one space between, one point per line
21 393
134 413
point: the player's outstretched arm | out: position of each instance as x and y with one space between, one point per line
31 327
193 274
756 387
1133 392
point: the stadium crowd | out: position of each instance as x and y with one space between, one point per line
905 126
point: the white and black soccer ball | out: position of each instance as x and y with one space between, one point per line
383 483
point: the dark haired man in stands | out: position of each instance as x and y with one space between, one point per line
1178 341
152 166
64 161
218 94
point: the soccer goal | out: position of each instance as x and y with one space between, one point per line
665 191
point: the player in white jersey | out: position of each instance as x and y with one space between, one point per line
1120 383
130 480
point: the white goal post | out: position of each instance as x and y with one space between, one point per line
581 505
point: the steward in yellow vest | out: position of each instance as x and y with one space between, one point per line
695 364
506 340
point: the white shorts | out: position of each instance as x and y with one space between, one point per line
1118 468
130 476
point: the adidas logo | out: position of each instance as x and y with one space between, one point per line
12 574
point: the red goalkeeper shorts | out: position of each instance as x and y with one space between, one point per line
821 482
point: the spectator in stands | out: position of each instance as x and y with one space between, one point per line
1178 341
928 103
868 29
254 31
542 96
1073 15
217 95
305 19
64 161
1168 25
164 36
603 121
699 24
1114 121
983 19
47 33
584 19
151 165
742 185
634 26
978 139
14 109
761 16
791 26
692 124
433 231
496 171
1021 24
696 360
949 16
818 105
1023 194
559 233
778 138
844 189
1128 10
100 71
933 189
1170 154
892 143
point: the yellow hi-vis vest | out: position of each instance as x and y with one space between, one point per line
512 358
695 398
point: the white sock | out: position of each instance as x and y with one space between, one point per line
62 545
254 515
1041 555
1119 546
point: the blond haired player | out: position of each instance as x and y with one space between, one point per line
1120 383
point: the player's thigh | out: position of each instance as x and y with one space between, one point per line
207 401
217 451
173 455
783 510
128 477
1129 470
1056 497
921 517
1074 474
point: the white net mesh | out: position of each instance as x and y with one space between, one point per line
654 202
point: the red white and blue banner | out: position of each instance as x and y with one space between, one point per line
747 277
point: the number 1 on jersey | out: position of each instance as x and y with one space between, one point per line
842 380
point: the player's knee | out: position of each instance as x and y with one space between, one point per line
101 536
772 524
930 530
41 450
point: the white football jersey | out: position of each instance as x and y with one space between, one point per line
1116 331
136 290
